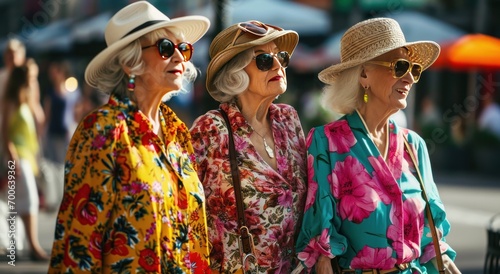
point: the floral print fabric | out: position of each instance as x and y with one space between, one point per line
133 203
273 199
365 210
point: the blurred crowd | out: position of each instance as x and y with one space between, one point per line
37 122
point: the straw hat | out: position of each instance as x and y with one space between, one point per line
132 22
222 51
373 37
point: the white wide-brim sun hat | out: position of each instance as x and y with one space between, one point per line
132 22
373 37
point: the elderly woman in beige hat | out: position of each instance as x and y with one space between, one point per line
133 202
366 208
246 74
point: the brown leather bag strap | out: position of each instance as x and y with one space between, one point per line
433 227
245 236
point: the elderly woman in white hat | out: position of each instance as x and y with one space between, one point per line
246 74
133 202
365 206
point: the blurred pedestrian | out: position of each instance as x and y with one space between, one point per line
133 202
14 55
34 100
489 119
59 105
400 118
365 207
90 99
20 141
246 73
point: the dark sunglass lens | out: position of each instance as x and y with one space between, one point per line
416 71
264 61
186 49
401 68
166 48
252 27
284 58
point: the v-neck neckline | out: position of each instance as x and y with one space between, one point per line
386 148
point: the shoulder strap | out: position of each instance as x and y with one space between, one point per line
245 236
432 226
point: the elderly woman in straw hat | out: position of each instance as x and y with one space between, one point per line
133 202
365 206
246 74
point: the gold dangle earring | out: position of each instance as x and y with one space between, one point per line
131 83
365 96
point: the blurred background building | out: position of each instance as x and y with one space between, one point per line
444 107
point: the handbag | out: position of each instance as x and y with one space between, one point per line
437 250
245 240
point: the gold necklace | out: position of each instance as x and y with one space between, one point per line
269 150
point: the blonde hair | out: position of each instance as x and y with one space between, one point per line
344 94
232 79
131 56
14 53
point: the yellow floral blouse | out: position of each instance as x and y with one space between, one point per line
132 203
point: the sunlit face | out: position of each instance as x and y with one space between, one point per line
385 90
269 83
161 75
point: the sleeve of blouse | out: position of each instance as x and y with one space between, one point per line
200 146
436 205
301 142
298 128
89 194
319 234
205 137
208 147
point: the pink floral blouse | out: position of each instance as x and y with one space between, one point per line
273 199
366 210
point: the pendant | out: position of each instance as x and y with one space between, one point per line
269 150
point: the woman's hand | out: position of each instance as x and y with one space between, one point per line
449 265
324 265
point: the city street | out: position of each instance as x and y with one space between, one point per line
470 200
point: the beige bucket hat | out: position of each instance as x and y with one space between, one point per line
232 41
132 22
373 37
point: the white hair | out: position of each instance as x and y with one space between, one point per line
344 94
232 79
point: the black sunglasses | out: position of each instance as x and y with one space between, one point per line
265 61
166 48
253 27
401 67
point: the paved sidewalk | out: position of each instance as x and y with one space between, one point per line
22 263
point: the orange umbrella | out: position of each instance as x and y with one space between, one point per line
470 52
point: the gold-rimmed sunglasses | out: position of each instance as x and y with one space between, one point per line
401 67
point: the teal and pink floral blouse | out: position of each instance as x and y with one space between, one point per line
273 199
132 203
366 210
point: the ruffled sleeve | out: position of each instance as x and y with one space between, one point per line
319 233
